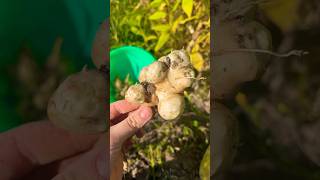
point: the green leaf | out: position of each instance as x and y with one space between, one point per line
197 61
137 31
151 37
176 5
162 41
195 123
187 6
196 47
158 15
204 170
189 19
176 24
134 30
160 27
134 20
155 3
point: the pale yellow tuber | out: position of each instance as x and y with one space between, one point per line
154 73
162 83
166 86
136 94
79 103
177 58
171 107
181 78
235 59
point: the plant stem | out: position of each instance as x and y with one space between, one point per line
290 53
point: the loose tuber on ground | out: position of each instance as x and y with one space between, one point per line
162 84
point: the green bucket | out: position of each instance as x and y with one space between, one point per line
127 60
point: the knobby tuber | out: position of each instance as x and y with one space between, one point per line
79 103
171 107
162 83
232 68
136 93
154 73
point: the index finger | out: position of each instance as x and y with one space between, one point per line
121 107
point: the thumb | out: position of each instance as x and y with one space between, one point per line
129 126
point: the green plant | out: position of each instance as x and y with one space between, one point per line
163 25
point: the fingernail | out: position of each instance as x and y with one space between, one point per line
145 113
102 164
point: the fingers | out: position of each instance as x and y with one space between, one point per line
121 107
121 132
37 143
118 119
90 165
126 128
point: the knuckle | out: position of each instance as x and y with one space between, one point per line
133 121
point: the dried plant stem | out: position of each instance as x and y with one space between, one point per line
290 53
196 78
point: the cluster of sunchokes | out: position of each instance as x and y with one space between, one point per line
162 84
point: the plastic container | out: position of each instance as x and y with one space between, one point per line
127 60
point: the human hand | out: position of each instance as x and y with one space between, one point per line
126 120
39 150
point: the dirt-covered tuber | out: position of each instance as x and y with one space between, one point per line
177 58
154 73
136 93
162 83
79 103
237 57
181 78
